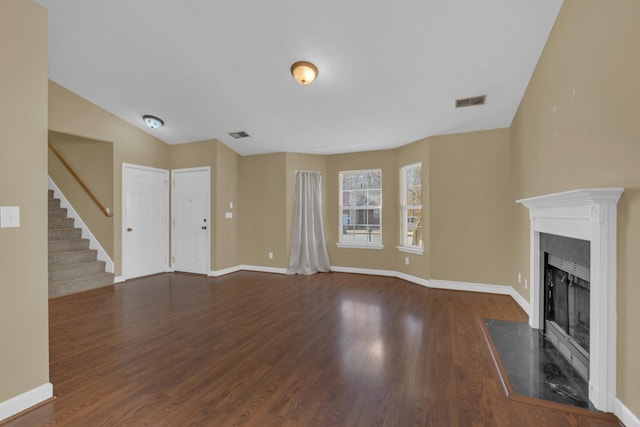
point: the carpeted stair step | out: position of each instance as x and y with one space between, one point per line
65 233
57 212
61 223
73 267
76 270
65 287
54 203
68 245
71 257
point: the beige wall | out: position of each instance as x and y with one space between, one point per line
71 114
227 165
93 161
24 354
384 259
471 207
577 127
262 210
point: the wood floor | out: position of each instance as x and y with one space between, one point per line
258 349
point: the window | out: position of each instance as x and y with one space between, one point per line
361 208
411 205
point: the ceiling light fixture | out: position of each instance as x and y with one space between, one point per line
304 72
152 121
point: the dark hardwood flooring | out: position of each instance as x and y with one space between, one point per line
258 349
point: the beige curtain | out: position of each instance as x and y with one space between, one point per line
308 247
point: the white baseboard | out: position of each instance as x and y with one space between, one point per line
386 273
442 284
86 233
526 307
483 287
264 269
119 279
217 273
628 418
470 287
26 400
371 271
258 268
414 279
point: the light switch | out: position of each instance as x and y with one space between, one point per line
228 215
9 216
230 205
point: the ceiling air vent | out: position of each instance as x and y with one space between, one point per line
237 135
470 102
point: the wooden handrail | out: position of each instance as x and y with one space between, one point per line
80 181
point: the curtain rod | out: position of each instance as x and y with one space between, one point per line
296 171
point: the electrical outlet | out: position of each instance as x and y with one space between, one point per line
406 260
270 255
520 278
526 284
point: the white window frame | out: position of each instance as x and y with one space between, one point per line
358 245
404 208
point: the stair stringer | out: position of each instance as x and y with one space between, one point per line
79 223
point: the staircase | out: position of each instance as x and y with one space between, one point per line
73 267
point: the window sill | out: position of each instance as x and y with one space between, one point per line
411 249
359 246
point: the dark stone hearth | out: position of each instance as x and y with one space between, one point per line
534 367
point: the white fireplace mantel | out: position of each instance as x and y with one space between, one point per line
587 214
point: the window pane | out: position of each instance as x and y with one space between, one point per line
346 217
414 237
375 179
374 197
374 234
414 196
414 175
348 181
346 198
374 216
360 198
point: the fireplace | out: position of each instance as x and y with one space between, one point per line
567 301
589 215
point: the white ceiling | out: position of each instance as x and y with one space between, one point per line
389 71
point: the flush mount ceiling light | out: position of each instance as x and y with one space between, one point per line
152 121
304 72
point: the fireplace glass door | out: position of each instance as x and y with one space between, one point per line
567 299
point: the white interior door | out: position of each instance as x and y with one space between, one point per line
145 207
190 235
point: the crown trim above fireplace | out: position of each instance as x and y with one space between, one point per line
587 214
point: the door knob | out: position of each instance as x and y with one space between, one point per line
129 229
